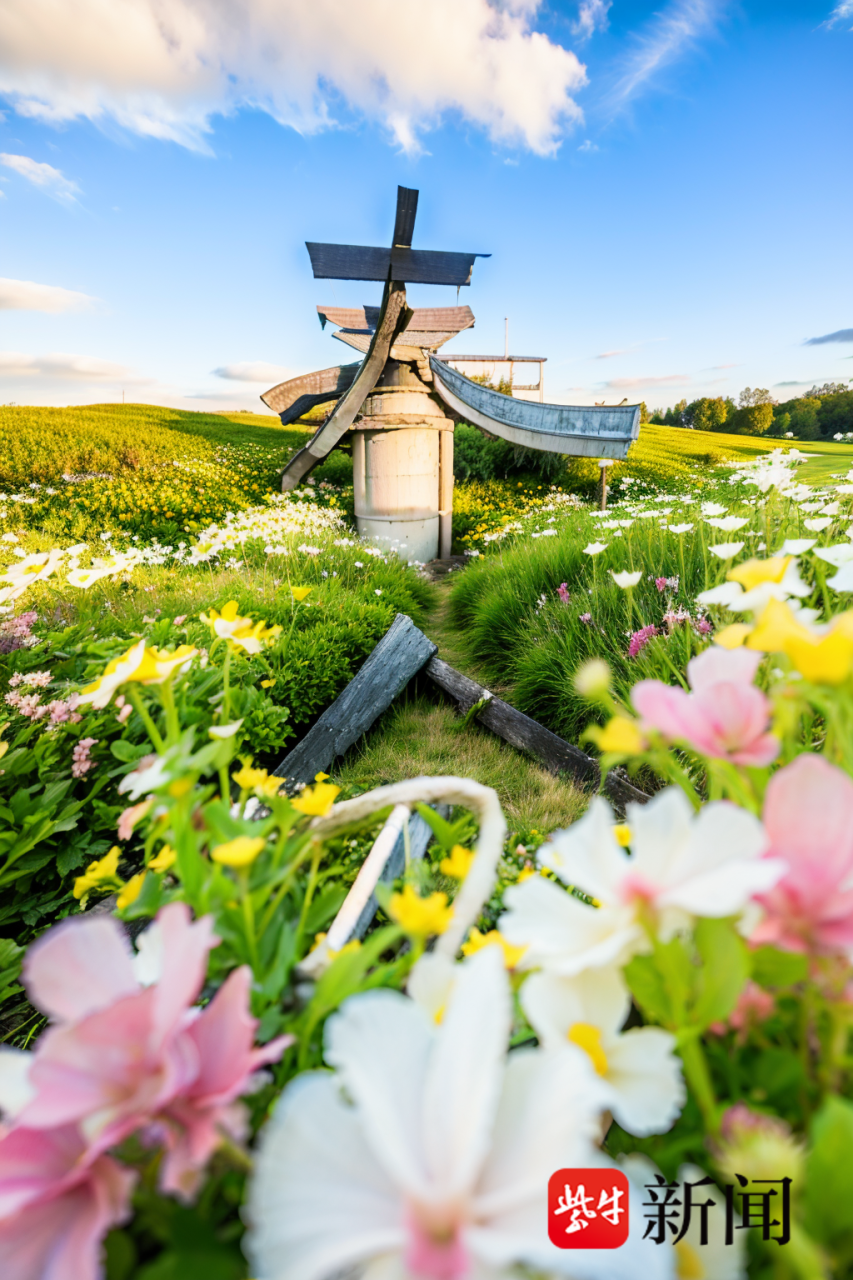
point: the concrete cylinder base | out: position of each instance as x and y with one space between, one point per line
403 467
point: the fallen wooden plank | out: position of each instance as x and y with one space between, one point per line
399 655
528 735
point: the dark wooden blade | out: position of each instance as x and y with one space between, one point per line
395 316
404 224
437 318
415 266
296 396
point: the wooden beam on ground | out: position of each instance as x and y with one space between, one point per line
394 317
399 655
528 735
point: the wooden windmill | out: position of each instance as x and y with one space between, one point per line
402 401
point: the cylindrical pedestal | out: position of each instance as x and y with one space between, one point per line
403 467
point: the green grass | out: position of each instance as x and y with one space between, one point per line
830 462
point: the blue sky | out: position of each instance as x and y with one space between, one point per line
666 190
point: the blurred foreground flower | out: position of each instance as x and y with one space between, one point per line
426 1155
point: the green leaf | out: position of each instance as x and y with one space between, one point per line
148 902
724 971
324 907
774 968
648 989
828 1186
127 751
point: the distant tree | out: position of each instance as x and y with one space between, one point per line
706 414
835 413
781 424
672 417
751 419
657 417
828 389
644 413
749 397
804 421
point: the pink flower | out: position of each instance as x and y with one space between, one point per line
753 1006
808 816
127 1051
724 717
586 618
704 627
56 1204
563 593
660 583
129 818
81 764
640 639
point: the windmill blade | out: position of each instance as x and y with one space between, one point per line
393 320
296 396
415 266
404 223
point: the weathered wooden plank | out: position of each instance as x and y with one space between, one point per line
453 319
420 835
394 318
400 654
368 262
594 431
310 389
528 735
404 223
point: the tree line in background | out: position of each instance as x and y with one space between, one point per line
820 414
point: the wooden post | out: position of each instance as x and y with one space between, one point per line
604 463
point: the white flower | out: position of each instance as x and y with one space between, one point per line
427 1153
639 1066
680 528
725 594
594 548
224 730
725 550
818 525
713 509
151 772
831 509
730 524
795 546
732 595
682 865
626 579
836 555
34 568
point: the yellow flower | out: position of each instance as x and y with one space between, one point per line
753 572
267 684
622 834
248 779
98 874
733 637
299 593
458 864
240 852
494 938
588 1038
317 800
620 736
418 916
321 777
820 657
525 873
163 860
131 891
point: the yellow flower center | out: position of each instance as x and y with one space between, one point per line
588 1038
753 572
622 834
688 1264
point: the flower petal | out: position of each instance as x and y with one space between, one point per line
78 967
645 1076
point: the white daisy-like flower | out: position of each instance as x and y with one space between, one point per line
426 1153
680 528
819 524
594 548
795 546
729 524
682 866
639 1067
725 550
713 509
626 579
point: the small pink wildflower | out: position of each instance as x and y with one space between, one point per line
703 626
640 639
586 618
129 818
675 618
753 1006
81 762
16 633
182 617
660 583
563 593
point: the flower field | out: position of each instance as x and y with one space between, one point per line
199 1079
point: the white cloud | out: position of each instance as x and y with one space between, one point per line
628 384
26 295
841 13
608 355
51 180
592 17
587 145
672 34
163 68
62 367
254 371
